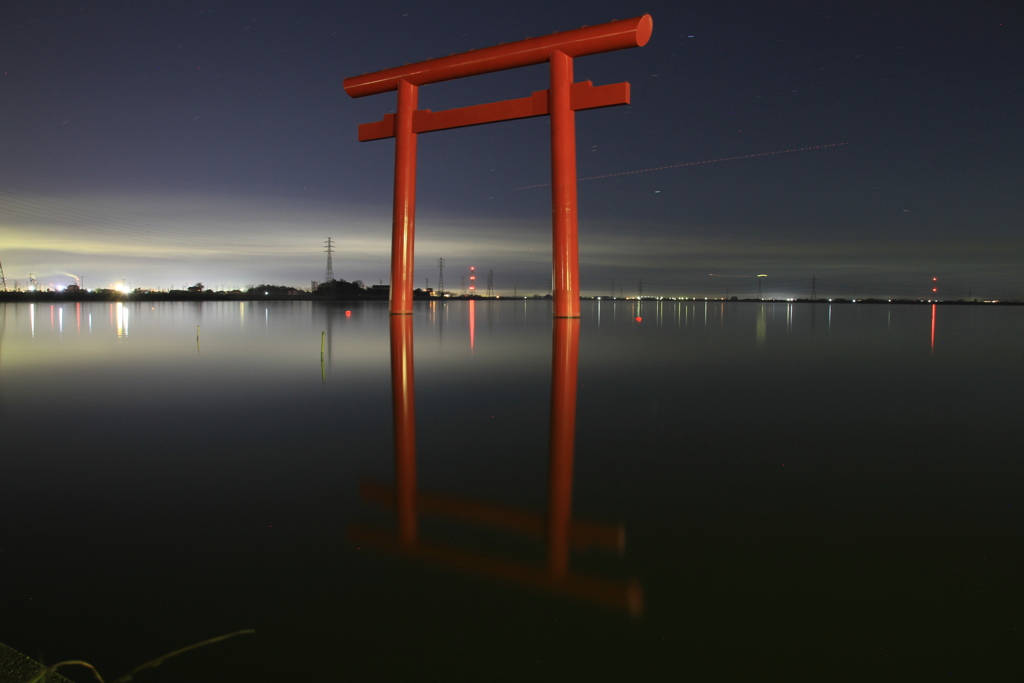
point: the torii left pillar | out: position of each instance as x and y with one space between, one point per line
403 222
560 101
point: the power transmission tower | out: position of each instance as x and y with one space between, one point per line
814 288
640 289
490 283
440 277
758 289
4 279
329 273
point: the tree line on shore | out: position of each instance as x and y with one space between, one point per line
335 289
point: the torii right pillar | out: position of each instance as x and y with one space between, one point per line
565 267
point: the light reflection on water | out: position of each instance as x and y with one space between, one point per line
801 483
506 336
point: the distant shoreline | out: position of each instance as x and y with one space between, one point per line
107 296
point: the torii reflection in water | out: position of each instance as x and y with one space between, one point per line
557 528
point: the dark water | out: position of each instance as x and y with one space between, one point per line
771 491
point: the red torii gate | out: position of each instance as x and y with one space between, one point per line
560 102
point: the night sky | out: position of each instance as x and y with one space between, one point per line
167 143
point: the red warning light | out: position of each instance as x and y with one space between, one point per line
639 319
348 312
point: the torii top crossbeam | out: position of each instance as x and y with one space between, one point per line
560 102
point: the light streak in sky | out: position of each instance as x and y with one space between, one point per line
695 163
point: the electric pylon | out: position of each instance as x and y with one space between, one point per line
440 277
329 273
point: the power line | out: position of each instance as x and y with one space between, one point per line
105 228
103 222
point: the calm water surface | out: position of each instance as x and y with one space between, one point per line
766 491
